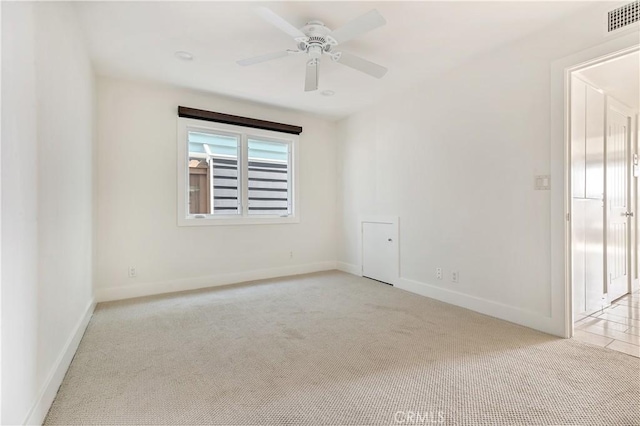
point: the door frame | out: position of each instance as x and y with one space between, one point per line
561 225
389 220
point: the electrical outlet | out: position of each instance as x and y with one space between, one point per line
290 255
132 272
439 273
455 277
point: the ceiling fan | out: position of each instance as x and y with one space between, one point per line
315 40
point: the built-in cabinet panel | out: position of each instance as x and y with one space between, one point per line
588 255
587 147
594 147
578 137
380 250
594 254
578 252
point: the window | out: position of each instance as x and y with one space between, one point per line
213 173
229 174
268 177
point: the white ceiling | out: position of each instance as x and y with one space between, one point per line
420 40
619 78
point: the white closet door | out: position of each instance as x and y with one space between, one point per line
618 209
379 252
587 147
594 199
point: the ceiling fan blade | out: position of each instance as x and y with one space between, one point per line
311 76
279 22
365 23
360 64
263 58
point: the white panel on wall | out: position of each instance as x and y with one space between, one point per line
380 251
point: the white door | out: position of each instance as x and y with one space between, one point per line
587 149
618 209
379 251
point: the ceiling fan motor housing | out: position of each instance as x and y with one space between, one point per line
315 28
317 36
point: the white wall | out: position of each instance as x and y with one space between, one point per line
19 214
137 223
47 116
455 159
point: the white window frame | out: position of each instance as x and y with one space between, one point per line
244 133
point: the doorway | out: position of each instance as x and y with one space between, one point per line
604 105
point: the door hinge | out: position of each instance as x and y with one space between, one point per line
568 217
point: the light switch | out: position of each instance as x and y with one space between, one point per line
542 183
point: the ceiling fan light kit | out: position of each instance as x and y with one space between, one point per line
316 39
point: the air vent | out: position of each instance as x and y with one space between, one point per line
623 16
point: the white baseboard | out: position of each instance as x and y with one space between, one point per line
349 268
161 287
519 316
49 390
523 317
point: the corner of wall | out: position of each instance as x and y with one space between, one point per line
49 389
349 268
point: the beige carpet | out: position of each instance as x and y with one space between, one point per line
331 348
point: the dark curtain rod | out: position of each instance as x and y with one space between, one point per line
219 117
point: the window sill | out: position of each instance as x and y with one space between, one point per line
234 221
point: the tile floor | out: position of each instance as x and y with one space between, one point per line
616 327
